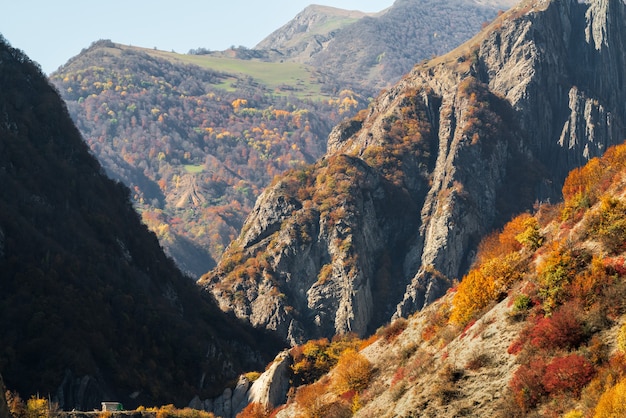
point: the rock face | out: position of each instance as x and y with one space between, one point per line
4 409
383 223
269 390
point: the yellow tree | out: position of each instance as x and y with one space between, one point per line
353 372
612 403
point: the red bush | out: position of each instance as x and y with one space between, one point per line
568 374
516 346
398 376
526 384
616 265
563 329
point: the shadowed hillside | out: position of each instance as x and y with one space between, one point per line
91 308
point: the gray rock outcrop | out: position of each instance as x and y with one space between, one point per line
395 210
269 390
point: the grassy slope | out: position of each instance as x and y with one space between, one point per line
283 79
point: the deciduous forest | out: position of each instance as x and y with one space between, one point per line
195 146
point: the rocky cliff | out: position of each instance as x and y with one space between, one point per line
393 213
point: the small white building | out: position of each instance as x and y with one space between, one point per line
111 406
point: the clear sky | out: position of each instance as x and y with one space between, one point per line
52 31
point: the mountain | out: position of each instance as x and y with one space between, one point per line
91 308
198 136
535 329
392 215
195 138
373 51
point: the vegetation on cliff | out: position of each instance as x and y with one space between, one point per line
536 328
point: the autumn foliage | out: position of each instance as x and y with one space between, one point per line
578 274
499 265
567 375
254 410
189 148
316 357
563 329
353 372
613 402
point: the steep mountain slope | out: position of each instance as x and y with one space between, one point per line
90 307
537 327
394 212
195 145
4 409
374 51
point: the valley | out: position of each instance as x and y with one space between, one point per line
451 245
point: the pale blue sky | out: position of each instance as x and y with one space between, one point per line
51 32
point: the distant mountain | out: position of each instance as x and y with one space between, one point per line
384 223
194 138
90 307
197 137
373 51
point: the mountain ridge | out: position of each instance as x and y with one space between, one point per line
377 49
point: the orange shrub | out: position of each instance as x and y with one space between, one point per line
310 398
484 285
583 180
254 410
353 372
588 285
366 343
474 293
391 331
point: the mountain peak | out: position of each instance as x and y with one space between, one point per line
314 24
382 46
